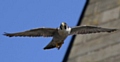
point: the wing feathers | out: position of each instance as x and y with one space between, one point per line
89 29
46 32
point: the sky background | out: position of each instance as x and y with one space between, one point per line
21 15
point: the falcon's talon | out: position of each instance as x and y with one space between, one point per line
60 33
57 45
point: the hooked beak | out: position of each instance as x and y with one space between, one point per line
63 24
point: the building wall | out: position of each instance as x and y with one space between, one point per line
103 47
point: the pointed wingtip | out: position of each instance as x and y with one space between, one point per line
112 30
7 34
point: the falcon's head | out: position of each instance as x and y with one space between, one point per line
63 26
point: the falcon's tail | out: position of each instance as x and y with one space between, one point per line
50 46
53 44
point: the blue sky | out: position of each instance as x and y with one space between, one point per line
21 15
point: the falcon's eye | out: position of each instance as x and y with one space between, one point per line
63 27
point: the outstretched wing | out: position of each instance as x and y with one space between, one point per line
46 32
89 29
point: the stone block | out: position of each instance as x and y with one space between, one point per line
110 14
104 5
100 55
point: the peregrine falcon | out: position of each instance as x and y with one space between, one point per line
59 34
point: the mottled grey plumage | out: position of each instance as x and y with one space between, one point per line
59 34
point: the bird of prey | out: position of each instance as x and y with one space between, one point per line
59 34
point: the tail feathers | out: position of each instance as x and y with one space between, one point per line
50 46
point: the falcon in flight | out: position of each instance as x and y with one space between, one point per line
59 34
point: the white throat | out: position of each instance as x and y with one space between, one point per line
68 30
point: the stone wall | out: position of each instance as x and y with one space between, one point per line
103 47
